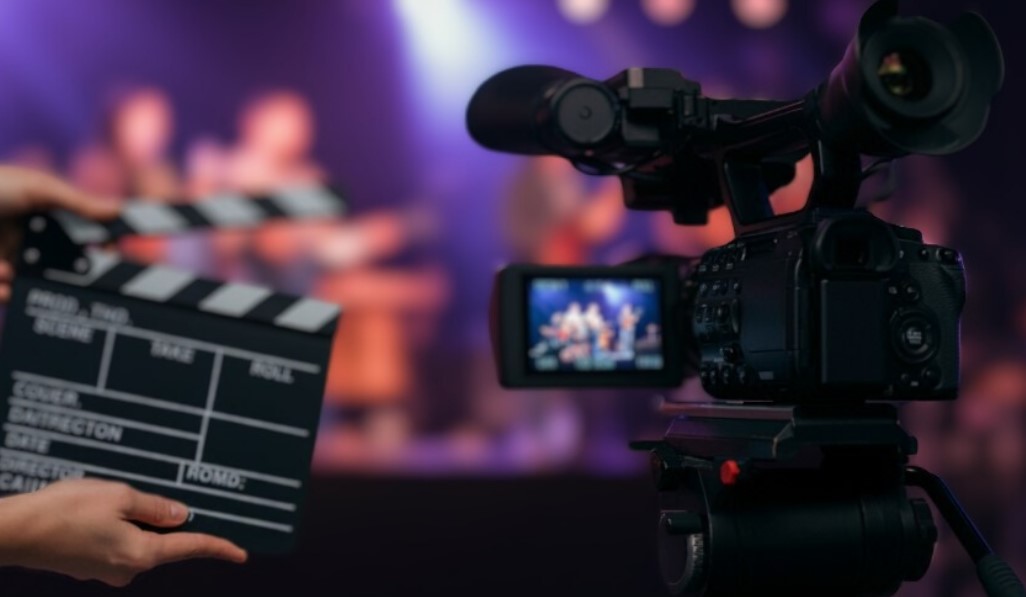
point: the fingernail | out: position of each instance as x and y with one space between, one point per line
179 511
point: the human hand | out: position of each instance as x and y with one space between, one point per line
84 528
23 191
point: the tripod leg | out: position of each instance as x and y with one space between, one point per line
995 574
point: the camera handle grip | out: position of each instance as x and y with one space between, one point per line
786 131
996 576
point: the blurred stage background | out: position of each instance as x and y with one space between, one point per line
430 478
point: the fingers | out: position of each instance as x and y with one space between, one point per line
154 510
142 551
175 547
48 192
159 511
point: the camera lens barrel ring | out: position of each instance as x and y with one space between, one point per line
934 70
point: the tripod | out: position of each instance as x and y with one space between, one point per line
801 500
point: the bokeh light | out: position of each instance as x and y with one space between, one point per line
583 12
759 14
668 12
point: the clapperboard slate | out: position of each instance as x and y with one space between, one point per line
202 391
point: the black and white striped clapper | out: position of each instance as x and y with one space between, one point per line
202 391
147 218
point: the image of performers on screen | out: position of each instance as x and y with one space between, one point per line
580 324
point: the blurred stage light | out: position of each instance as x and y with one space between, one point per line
450 46
759 14
583 12
438 28
668 12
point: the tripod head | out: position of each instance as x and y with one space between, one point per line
800 500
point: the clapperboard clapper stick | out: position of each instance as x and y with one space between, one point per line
203 391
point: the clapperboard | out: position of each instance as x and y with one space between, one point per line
202 391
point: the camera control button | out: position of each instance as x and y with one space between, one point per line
726 375
735 317
722 313
930 377
915 337
702 314
910 291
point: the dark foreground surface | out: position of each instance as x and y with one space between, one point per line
481 537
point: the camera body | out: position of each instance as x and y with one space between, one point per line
836 305
825 304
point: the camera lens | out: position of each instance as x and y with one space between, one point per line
904 74
911 85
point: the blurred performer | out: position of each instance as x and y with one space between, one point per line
594 320
393 291
276 136
628 320
131 159
371 264
604 343
551 216
273 150
137 130
574 323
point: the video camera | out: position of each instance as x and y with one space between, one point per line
808 323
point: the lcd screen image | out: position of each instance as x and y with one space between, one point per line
594 324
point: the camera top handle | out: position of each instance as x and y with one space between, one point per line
905 85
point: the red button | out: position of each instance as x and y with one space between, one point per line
730 471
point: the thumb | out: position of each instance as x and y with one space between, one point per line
155 510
